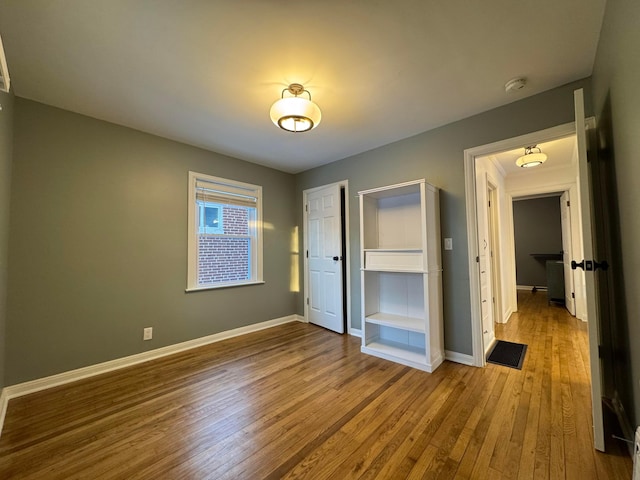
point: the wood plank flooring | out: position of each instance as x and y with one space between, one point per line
297 401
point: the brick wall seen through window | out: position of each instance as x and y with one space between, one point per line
225 258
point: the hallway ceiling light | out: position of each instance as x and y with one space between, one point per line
531 158
295 114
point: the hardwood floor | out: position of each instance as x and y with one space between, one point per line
297 401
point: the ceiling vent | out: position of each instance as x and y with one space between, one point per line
5 82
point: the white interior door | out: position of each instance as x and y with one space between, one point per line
590 277
484 261
567 254
324 258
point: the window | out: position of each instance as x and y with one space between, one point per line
225 233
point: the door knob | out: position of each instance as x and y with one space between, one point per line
336 258
603 265
590 265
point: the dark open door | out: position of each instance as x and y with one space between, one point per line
617 383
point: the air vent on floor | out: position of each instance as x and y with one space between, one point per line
5 82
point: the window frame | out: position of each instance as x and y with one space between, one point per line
232 187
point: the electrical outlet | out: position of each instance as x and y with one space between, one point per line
147 333
448 243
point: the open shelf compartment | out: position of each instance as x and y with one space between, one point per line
397 321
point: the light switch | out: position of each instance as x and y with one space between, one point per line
448 243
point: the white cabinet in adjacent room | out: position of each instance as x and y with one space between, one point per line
402 274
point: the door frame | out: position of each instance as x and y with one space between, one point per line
346 271
572 190
470 155
566 226
496 264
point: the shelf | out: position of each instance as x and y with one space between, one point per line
399 250
396 351
392 270
397 321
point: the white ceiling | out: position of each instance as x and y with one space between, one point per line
205 72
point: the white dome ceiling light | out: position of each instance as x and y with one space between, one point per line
531 158
295 114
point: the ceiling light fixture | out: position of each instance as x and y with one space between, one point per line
531 158
295 114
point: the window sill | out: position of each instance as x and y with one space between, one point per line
227 285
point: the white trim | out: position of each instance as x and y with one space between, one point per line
420 365
507 315
459 358
554 133
491 343
257 257
224 285
5 81
356 332
63 378
4 403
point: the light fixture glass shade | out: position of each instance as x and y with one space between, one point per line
295 114
531 158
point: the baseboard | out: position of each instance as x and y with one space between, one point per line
531 287
356 332
506 315
4 403
492 341
459 358
40 384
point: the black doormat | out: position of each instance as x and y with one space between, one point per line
508 354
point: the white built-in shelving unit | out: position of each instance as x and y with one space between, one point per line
402 274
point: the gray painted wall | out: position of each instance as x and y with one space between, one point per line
6 145
98 242
617 75
438 157
537 229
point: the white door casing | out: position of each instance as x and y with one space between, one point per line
496 267
324 257
567 254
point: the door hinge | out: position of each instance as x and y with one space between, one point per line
477 259
307 300
307 253
568 203
306 207
573 295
